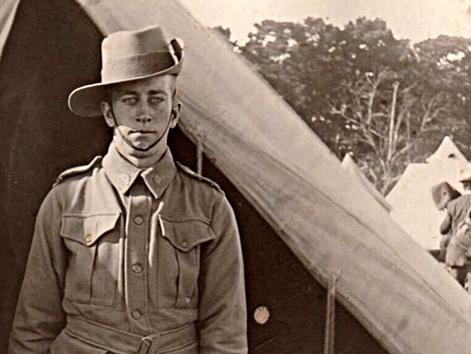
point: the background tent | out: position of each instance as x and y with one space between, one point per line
303 220
411 198
348 164
448 151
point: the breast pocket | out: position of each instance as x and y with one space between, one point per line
93 242
180 246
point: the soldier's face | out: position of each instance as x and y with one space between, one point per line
142 112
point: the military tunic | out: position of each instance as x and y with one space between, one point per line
127 261
459 242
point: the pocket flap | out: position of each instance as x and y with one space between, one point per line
87 229
186 235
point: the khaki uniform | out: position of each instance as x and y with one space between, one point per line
459 242
124 261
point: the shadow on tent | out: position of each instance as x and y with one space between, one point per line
53 47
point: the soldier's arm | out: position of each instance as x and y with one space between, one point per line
445 226
39 316
222 311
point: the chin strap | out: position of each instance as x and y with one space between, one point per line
137 148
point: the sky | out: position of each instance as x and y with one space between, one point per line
413 19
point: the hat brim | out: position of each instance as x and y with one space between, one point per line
85 101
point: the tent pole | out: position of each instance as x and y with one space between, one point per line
329 336
199 156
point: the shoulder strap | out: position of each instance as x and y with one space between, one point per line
74 171
197 176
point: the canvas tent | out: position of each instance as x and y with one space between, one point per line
448 151
411 198
303 220
349 165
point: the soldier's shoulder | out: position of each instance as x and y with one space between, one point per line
197 177
77 170
464 198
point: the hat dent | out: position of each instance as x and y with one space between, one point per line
124 43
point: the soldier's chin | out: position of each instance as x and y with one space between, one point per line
142 144
142 148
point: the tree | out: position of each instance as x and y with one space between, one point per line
225 32
364 91
444 68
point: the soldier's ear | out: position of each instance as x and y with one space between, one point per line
175 115
107 111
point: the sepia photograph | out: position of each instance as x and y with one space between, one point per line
235 176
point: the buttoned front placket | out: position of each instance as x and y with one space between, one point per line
136 270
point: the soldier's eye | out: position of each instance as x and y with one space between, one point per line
156 100
129 100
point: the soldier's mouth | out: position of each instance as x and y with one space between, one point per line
142 132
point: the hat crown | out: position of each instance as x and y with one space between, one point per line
135 54
124 44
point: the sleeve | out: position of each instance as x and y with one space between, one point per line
445 226
39 316
445 240
222 321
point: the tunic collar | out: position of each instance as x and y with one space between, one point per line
122 174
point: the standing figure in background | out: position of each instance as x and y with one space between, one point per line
442 194
133 253
457 227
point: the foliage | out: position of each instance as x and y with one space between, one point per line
362 90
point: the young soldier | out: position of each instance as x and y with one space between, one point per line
133 253
457 225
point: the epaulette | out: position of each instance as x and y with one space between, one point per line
74 171
197 176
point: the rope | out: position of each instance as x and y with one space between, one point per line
329 336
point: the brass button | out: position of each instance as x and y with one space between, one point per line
261 315
137 268
88 237
184 243
187 299
138 220
136 314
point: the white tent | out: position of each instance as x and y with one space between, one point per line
411 198
447 151
348 164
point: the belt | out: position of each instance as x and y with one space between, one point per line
122 342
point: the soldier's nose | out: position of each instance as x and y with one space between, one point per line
144 119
